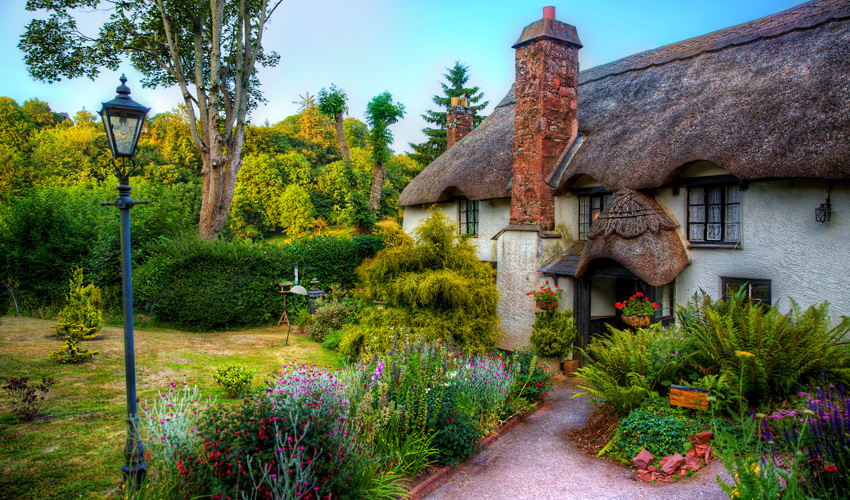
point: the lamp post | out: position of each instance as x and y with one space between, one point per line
123 119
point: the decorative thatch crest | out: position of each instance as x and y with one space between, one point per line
636 232
630 214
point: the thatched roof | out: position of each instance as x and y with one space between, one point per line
765 99
636 232
480 166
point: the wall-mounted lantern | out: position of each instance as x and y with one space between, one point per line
823 212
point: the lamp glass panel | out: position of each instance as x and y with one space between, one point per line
124 128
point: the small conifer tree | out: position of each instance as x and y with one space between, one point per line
79 320
82 312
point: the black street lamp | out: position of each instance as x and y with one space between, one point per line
123 119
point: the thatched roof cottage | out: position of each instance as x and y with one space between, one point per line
715 163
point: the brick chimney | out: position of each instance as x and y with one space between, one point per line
458 120
545 115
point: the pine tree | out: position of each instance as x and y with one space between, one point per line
457 77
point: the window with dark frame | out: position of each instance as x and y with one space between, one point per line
714 214
468 217
756 290
589 208
663 296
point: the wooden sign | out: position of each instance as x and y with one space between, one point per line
689 397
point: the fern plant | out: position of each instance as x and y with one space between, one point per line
628 367
781 352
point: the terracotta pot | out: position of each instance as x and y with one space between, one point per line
637 321
547 306
570 367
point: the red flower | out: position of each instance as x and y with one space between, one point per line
632 297
654 305
646 299
830 468
638 294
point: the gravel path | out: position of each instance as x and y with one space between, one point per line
535 460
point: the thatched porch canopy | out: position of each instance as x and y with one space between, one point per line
636 232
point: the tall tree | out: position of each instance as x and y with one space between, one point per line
332 103
381 112
212 46
435 145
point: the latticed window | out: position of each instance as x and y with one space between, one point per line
714 214
468 217
589 208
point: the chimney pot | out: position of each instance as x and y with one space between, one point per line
549 12
454 101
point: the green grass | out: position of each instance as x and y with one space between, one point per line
75 448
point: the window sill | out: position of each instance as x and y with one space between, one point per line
717 246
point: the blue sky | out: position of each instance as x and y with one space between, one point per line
368 46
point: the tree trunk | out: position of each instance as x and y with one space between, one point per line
378 176
340 137
219 185
360 228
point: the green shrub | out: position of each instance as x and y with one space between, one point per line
235 378
627 367
220 284
656 426
456 437
533 382
436 288
82 309
765 353
329 317
553 333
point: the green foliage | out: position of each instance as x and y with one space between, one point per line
72 352
82 308
437 287
328 318
533 381
656 426
184 277
435 145
456 435
553 333
296 210
786 349
234 378
628 367
381 112
332 103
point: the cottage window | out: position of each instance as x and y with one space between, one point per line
714 215
664 299
756 290
468 217
589 208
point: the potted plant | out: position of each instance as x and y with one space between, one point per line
553 335
545 297
637 311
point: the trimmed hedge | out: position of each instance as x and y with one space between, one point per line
209 285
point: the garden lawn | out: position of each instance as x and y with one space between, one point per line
75 447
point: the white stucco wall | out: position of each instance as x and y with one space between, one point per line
806 260
493 216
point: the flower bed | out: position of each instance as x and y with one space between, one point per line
360 431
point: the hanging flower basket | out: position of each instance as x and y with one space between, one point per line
546 306
637 321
